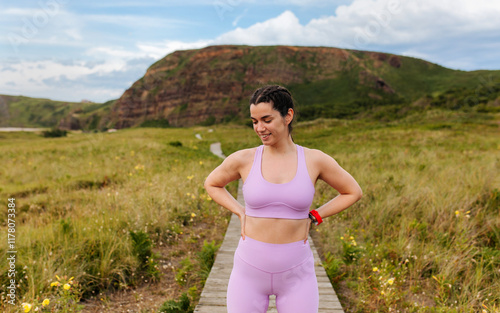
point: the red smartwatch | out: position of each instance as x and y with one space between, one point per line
315 217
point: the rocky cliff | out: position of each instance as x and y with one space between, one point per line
214 83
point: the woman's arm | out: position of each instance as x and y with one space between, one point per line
216 181
338 178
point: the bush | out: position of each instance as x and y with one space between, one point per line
54 132
159 123
175 143
206 257
142 250
183 305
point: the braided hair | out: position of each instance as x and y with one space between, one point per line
280 98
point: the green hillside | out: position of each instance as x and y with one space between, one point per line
418 86
212 85
20 111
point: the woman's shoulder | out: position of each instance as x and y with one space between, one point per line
314 153
316 156
243 156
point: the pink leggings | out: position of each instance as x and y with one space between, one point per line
262 269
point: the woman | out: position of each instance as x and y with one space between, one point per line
273 254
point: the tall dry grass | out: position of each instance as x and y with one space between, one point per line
79 198
425 237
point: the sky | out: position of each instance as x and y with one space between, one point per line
72 50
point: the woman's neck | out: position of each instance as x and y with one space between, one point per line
282 147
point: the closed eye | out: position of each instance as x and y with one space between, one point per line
265 121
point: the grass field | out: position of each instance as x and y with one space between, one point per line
124 210
79 199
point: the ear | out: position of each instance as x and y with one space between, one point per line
289 116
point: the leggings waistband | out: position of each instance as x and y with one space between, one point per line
273 257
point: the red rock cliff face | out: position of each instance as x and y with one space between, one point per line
189 87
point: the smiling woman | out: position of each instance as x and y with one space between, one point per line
278 188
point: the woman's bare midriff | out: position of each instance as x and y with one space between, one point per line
276 230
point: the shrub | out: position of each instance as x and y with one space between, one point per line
206 257
175 143
142 250
54 132
183 305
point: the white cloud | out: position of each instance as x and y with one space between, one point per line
283 29
133 21
380 22
160 49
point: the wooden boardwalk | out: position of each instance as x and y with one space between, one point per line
213 297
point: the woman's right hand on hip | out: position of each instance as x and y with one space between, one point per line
242 222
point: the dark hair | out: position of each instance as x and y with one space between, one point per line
279 96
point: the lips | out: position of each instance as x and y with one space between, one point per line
265 136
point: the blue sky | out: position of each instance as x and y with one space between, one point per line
72 50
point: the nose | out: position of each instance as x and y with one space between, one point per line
259 127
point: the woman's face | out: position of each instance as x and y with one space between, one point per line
268 123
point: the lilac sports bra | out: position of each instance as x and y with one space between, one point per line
290 200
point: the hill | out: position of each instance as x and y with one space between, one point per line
213 85
20 111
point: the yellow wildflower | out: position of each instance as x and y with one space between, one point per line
375 269
71 279
66 286
341 238
193 215
352 238
208 198
190 177
457 213
45 302
201 162
58 277
56 283
390 281
382 292
188 194
26 307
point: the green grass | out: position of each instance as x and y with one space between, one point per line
106 208
428 223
